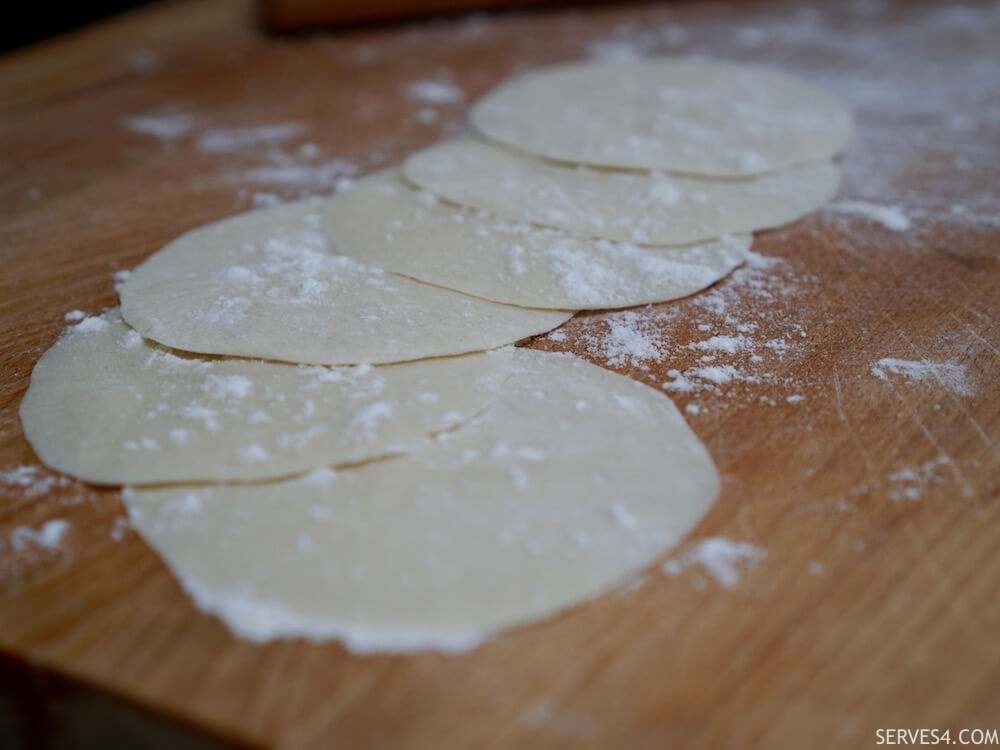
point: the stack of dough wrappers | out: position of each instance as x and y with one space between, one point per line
317 411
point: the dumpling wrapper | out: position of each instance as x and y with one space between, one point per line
108 407
572 481
267 284
386 222
694 116
647 208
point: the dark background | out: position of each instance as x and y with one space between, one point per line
36 21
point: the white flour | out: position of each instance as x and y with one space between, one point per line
628 338
302 179
723 344
32 481
890 217
231 140
721 558
289 169
949 375
909 483
86 324
48 536
434 91
746 332
120 528
161 127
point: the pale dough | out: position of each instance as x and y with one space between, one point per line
693 116
267 284
573 480
386 222
110 408
649 208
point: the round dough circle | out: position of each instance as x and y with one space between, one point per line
108 407
266 284
648 208
384 221
526 510
699 117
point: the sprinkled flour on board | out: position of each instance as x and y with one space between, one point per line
721 558
120 528
29 483
162 127
304 179
24 548
47 536
948 374
909 483
889 217
715 374
229 140
434 91
745 332
31 480
725 344
297 170
626 338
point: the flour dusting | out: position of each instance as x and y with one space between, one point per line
626 338
120 528
304 179
88 324
909 483
721 558
951 376
162 127
48 536
230 140
746 332
890 217
281 163
31 480
435 91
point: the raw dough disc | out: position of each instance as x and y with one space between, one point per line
648 208
108 407
690 116
267 284
575 478
385 222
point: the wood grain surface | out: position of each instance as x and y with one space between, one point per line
300 15
873 489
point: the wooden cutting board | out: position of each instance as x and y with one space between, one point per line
851 402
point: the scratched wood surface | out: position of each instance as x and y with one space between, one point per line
872 485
